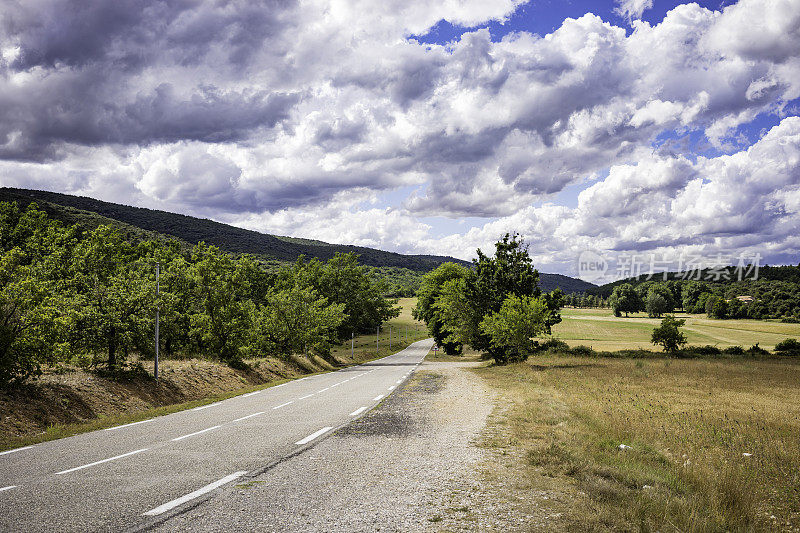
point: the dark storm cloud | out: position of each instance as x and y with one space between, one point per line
100 72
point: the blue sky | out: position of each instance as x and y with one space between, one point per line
409 127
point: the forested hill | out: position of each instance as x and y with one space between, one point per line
228 238
90 212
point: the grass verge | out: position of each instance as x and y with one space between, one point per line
658 444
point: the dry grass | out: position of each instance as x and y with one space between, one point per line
601 330
688 424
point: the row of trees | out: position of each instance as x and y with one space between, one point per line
583 300
496 307
67 294
764 298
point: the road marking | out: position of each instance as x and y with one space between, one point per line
252 393
283 404
8 488
399 381
205 406
391 388
192 495
358 411
195 433
16 450
101 461
129 425
249 416
314 435
306 396
376 398
323 390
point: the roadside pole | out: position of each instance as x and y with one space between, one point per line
390 338
158 274
377 340
351 345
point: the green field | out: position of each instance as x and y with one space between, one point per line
601 330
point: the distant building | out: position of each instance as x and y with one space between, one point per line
745 299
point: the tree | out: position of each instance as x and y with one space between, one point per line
431 311
220 319
659 300
716 307
295 319
691 294
32 322
512 329
669 335
626 300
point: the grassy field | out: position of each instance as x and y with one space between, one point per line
713 444
601 330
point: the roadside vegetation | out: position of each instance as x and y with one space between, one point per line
655 444
70 296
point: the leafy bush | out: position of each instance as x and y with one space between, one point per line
583 351
788 347
756 350
733 350
553 345
668 334
704 350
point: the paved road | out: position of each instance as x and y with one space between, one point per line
138 475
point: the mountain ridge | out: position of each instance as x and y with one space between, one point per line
238 240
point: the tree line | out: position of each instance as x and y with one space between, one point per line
495 307
756 299
69 294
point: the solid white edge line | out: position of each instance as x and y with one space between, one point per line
192 495
129 425
249 416
16 450
101 461
283 404
399 381
391 388
314 435
358 411
376 398
176 439
252 393
8 488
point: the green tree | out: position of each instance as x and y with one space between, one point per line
669 335
295 319
691 294
512 329
625 299
221 316
32 322
659 300
427 310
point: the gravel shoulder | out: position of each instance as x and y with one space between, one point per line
415 463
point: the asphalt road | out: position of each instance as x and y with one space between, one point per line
138 475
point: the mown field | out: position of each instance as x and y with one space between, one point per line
707 445
601 330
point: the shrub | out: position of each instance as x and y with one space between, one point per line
704 350
788 347
554 345
790 320
733 350
756 350
584 351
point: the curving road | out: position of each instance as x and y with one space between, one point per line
137 475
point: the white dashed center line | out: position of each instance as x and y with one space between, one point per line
391 388
192 495
195 433
101 461
8 488
314 435
306 396
249 416
283 404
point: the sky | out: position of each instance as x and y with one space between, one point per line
649 129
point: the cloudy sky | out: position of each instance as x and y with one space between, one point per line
627 126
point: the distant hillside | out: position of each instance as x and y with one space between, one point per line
90 212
